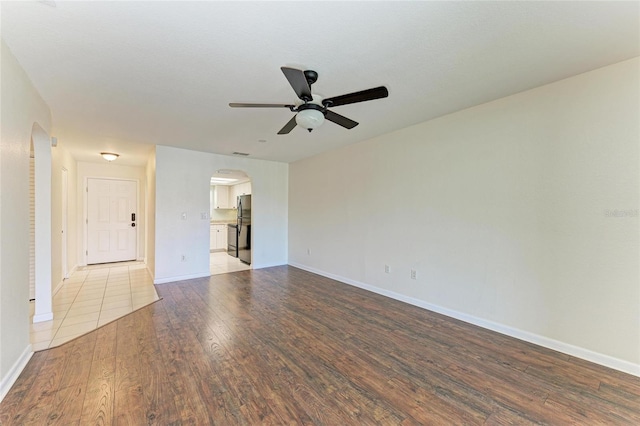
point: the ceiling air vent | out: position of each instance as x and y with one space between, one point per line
244 154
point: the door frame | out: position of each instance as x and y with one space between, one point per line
85 214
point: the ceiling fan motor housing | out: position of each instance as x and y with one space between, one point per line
311 76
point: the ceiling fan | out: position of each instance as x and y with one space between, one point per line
313 109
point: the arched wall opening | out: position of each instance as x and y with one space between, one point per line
230 236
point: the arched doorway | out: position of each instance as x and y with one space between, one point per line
230 228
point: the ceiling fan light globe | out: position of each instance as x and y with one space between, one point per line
310 118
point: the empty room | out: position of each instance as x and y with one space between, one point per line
316 212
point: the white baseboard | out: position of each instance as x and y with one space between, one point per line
149 270
14 372
265 265
566 348
59 286
61 283
181 278
43 317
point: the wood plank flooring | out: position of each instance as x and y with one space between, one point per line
284 346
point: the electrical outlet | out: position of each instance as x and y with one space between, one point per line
414 274
184 258
184 215
308 252
204 216
387 269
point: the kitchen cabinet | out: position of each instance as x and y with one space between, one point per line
218 237
221 197
233 196
244 188
239 189
222 238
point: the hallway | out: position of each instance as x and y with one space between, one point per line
92 297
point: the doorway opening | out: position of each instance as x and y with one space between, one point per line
230 228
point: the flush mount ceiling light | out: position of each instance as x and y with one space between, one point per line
109 156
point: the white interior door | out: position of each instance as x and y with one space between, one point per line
111 220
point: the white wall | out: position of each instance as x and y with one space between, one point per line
104 169
22 107
150 232
182 186
504 210
61 158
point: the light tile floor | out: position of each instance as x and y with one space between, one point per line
92 297
221 263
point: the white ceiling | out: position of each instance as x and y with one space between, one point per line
122 76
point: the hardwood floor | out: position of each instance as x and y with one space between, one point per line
284 346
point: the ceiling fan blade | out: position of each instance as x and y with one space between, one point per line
364 95
288 127
241 105
340 120
298 82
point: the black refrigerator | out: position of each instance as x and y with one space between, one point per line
244 228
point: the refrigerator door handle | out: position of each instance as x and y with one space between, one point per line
239 215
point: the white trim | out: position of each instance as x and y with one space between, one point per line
265 265
14 372
47 316
149 270
58 287
61 283
556 345
181 278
